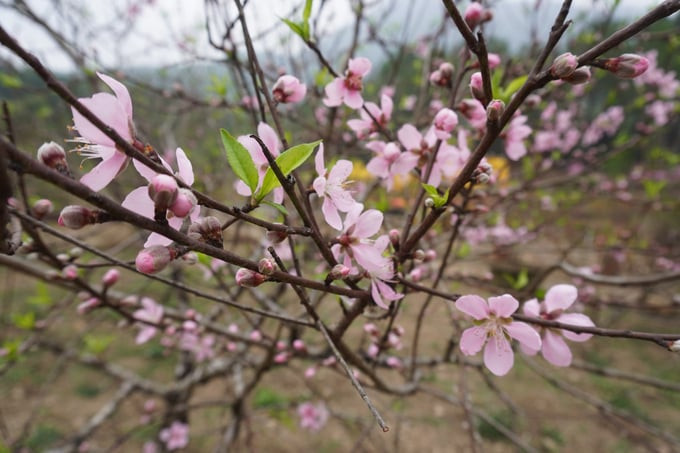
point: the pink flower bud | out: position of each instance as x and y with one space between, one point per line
564 65
184 203
251 279
76 217
154 259
255 335
288 89
495 110
339 272
373 350
474 14
190 314
419 255
371 329
41 208
494 60
394 236
581 75
281 345
111 277
443 75
393 362
276 236
444 122
266 266
54 156
281 357
163 191
207 229
627 66
299 345
87 306
310 372
69 272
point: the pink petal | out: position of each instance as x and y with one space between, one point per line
145 334
524 333
577 319
498 355
335 92
138 201
120 91
353 215
157 239
255 151
319 186
503 306
555 350
340 171
353 99
387 105
474 306
472 341
101 175
184 167
242 188
409 137
379 167
377 298
341 198
405 163
532 308
370 258
527 350
368 224
278 195
319 162
107 108
360 66
330 214
269 138
146 172
560 297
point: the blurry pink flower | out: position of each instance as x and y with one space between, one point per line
330 185
474 112
176 436
444 122
288 89
271 141
312 416
423 147
184 204
366 126
493 327
390 161
557 300
150 313
473 14
348 89
116 112
514 137
442 75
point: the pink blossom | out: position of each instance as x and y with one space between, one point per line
176 436
116 112
474 112
354 240
558 299
423 147
390 161
494 327
514 137
150 313
184 205
312 416
330 185
348 89
442 75
288 89
111 277
473 14
271 141
366 126
477 86
444 122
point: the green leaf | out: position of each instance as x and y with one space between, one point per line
10 81
287 162
653 188
240 160
24 321
96 344
42 297
306 13
298 29
439 200
430 189
512 88
279 207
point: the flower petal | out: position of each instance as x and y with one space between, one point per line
269 138
560 297
120 91
472 341
474 306
138 201
555 349
353 99
524 333
532 308
335 92
503 306
498 355
107 108
184 167
577 319
330 213
360 66
101 175
409 137
368 224
340 171
319 165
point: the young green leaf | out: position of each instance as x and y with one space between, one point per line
430 189
240 160
298 29
287 161
512 88
306 13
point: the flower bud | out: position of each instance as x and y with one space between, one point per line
276 236
163 191
41 208
299 345
266 266
154 259
184 203
288 89
76 217
477 86
474 14
206 229
111 277
419 255
674 346
393 362
581 75
255 335
339 272
627 66
54 156
495 110
429 202
394 236
248 278
69 272
190 258
443 75
87 306
564 65
444 122
430 255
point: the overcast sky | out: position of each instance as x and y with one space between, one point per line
160 25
